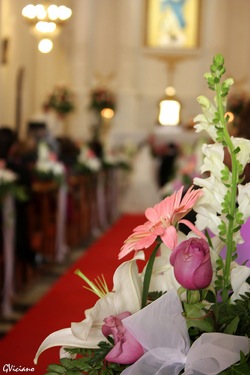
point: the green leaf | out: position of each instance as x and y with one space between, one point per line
148 274
196 317
232 326
57 369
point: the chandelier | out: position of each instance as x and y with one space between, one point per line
46 20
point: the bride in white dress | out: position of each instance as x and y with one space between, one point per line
142 190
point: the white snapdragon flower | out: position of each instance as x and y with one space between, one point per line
213 159
244 200
244 155
239 275
205 219
205 120
213 193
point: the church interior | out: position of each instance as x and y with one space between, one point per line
84 140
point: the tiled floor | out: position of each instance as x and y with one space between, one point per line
36 289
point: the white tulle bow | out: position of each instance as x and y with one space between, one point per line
162 331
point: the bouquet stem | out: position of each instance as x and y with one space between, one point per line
148 275
230 215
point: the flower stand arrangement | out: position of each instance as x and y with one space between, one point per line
188 310
103 105
61 100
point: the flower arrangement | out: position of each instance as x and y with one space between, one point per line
9 184
188 311
87 161
47 167
101 98
61 100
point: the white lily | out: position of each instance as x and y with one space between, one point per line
125 296
163 278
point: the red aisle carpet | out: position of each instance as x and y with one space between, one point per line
64 303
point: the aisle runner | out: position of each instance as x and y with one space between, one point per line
64 303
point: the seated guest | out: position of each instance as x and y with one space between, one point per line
15 155
68 151
38 131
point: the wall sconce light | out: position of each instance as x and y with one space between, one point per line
107 113
169 108
46 20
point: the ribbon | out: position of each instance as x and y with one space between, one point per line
113 193
101 200
8 212
162 330
61 247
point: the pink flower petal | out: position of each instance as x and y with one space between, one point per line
193 228
170 237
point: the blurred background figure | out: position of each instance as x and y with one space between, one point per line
18 156
143 190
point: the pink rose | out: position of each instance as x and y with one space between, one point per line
192 264
126 349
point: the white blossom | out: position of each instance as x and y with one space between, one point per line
239 275
7 176
244 200
213 159
214 192
244 155
205 120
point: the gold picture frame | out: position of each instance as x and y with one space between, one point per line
172 24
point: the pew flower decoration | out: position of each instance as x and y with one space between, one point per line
188 311
9 184
47 167
87 161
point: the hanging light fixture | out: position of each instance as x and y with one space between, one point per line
169 108
46 20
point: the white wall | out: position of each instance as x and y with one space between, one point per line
103 42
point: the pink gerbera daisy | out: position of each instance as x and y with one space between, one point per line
163 220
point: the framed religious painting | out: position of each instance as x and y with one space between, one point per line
172 24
